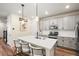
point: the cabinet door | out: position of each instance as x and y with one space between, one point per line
46 24
66 42
77 46
68 23
76 19
41 25
70 42
73 43
60 41
71 22
60 25
53 21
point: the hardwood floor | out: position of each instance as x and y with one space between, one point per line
5 49
65 52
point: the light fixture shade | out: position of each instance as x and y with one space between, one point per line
37 18
20 19
22 22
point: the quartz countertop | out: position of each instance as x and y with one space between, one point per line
67 34
62 33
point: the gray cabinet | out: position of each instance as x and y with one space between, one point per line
68 42
72 43
60 41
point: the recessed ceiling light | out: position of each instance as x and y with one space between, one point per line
67 6
19 12
37 18
46 12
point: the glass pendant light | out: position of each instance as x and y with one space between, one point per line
37 18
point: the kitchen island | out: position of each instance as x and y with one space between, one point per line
46 43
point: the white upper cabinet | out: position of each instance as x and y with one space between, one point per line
44 24
68 23
54 21
63 23
60 25
47 24
76 19
41 25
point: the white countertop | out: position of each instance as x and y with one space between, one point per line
67 34
62 33
46 43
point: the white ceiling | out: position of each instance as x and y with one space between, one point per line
29 8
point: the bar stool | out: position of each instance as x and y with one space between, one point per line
36 49
25 47
17 45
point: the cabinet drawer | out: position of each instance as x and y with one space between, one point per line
66 44
60 44
73 42
72 45
77 46
60 41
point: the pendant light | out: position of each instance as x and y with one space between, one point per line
37 18
22 17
